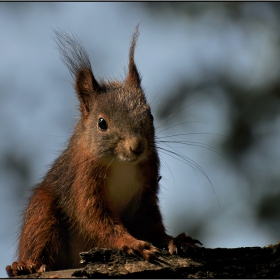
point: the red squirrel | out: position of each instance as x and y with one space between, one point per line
102 191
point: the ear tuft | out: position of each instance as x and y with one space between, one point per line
133 78
77 60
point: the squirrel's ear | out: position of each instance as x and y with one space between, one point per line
86 86
76 59
133 78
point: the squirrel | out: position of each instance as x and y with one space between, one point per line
102 191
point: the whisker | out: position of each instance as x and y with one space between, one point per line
178 124
153 100
182 110
196 167
166 165
108 165
192 143
183 159
191 133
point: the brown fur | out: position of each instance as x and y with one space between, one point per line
102 191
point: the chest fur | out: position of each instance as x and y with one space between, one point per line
123 184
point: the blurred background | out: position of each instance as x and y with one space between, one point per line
211 73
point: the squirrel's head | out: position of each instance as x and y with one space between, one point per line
116 122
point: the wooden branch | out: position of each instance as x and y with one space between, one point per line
246 262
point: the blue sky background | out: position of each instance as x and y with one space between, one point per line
38 106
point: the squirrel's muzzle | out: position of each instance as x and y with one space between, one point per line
136 146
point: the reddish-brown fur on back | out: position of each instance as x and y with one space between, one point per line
102 190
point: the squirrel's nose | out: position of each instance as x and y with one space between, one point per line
137 145
137 150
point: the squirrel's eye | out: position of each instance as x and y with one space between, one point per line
102 124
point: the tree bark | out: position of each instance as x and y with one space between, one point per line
248 262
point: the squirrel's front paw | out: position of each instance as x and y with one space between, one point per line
182 242
143 248
23 268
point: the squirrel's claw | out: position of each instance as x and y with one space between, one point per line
182 242
24 268
143 248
